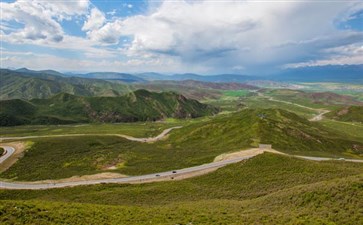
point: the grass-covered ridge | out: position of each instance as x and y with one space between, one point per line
194 144
64 108
347 114
266 189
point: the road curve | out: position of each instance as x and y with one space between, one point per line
132 179
150 139
8 152
155 176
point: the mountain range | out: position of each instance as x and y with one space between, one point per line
64 108
328 73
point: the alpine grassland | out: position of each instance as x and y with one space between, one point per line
347 114
194 144
266 189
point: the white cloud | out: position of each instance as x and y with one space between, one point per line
198 36
343 55
39 19
94 21
234 34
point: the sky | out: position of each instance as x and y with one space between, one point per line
180 36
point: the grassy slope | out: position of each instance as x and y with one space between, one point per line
313 99
191 145
284 190
347 114
63 108
136 129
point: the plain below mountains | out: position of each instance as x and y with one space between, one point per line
140 105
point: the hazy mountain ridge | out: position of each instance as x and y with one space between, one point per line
25 85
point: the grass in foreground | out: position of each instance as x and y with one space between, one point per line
269 189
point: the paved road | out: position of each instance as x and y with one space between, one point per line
8 152
150 139
148 177
133 179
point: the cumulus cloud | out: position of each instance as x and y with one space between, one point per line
94 21
202 36
39 19
234 34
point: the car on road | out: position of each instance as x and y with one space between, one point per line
174 171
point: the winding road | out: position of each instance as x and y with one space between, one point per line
150 139
317 117
168 175
8 152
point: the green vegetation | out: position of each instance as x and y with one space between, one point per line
236 93
265 103
64 108
266 189
347 114
24 85
136 129
312 99
2 151
71 156
194 144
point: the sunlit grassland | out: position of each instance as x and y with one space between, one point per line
349 129
138 129
236 93
194 144
266 189
264 103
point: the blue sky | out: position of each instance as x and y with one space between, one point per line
208 37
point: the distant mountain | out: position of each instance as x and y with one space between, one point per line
211 78
112 76
27 84
330 73
213 85
199 90
65 108
39 72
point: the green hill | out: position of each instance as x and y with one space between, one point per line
286 131
24 84
65 108
191 145
347 114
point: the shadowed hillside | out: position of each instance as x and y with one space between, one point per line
64 108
